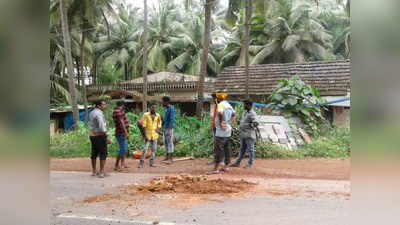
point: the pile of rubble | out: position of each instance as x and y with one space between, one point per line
194 185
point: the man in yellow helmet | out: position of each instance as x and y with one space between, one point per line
226 116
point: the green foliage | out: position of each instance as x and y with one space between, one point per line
195 137
271 151
298 99
335 144
108 75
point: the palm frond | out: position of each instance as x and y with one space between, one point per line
156 59
212 63
290 42
177 64
266 52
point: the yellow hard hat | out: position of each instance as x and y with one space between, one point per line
222 95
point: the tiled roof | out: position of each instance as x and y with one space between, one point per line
331 78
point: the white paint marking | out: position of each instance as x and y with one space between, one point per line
108 219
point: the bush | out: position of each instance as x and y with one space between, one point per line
271 151
336 144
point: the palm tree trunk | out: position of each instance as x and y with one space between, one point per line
68 58
247 42
203 67
144 66
85 103
96 73
78 69
126 71
242 55
93 71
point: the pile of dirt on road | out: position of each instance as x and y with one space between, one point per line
194 185
102 198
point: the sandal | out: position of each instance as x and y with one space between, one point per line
225 169
118 169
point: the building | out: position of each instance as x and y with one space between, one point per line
61 119
331 78
182 88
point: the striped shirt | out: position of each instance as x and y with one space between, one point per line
118 116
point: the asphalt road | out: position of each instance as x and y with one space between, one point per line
69 189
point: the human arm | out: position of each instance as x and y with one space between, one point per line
144 124
102 127
124 128
158 126
222 123
249 122
233 118
144 119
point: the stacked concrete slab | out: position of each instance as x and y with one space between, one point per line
281 131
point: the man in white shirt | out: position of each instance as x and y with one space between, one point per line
98 137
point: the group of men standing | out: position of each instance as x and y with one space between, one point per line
223 118
151 124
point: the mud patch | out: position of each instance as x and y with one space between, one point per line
102 198
186 184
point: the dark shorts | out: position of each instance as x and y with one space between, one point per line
222 149
99 147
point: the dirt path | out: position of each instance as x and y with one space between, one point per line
328 169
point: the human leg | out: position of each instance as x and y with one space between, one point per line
153 152
242 152
103 154
146 146
227 153
94 153
250 146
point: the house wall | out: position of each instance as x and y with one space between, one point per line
341 116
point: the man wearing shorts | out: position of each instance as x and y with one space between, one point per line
121 134
98 138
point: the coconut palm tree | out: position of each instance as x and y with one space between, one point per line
121 46
144 73
204 56
249 9
190 45
164 23
342 41
67 44
84 16
296 35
